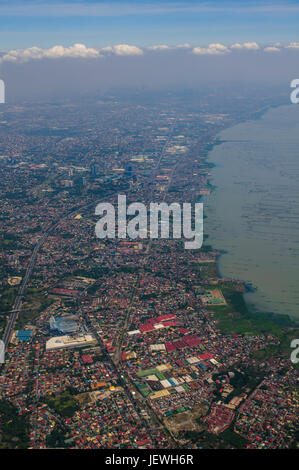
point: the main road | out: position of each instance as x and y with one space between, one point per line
119 344
18 300
16 308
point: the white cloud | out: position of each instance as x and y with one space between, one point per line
293 45
82 51
75 51
271 49
166 47
211 49
159 47
123 49
55 52
107 49
183 46
253 46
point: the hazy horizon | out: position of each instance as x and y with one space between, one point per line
68 48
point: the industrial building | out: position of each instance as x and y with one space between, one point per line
75 341
66 324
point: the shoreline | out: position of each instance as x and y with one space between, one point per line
252 309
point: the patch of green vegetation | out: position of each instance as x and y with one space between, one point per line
285 337
95 272
67 236
39 303
14 428
8 241
129 269
247 378
64 404
206 248
7 297
235 317
34 229
56 438
203 439
207 440
92 289
232 439
151 295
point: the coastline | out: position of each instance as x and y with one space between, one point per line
280 318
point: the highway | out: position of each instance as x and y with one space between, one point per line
18 300
16 308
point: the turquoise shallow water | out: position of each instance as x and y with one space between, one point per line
253 214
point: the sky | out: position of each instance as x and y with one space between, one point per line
98 23
52 46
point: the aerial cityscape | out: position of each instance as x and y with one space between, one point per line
139 343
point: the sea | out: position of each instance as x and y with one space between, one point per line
253 210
